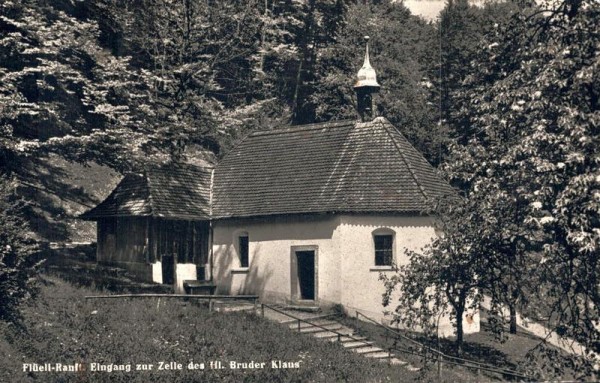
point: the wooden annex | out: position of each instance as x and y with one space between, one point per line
155 223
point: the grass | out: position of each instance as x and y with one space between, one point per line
60 326
512 354
77 266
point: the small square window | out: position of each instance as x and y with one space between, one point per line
383 249
243 248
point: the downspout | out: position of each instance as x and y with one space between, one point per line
210 242
210 225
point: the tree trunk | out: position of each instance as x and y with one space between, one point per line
459 332
513 319
304 56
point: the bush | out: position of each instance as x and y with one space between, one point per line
17 262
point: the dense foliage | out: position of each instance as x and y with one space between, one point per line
17 263
525 153
531 163
503 96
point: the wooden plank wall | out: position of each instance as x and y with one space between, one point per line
187 239
145 240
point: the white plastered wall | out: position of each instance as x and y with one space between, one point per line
270 244
361 284
183 272
346 269
157 272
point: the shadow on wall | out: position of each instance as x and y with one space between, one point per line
254 280
222 260
258 276
288 227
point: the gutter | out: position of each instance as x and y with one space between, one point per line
210 224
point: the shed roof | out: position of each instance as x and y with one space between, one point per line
344 166
168 191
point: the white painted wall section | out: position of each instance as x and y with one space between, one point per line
184 271
345 248
157 272
361 284
270 255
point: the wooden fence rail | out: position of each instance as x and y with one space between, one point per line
210 298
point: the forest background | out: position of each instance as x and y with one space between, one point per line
502 97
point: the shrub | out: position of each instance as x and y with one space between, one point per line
17 263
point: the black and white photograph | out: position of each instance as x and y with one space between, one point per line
299 191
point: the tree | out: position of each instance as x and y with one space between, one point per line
445 278
401 47
531 105
17 263
463 29
526 161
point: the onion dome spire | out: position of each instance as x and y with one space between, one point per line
365 86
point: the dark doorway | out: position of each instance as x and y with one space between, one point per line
306 274
167 269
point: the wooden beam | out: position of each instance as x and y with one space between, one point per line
196 296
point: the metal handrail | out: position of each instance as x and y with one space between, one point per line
339 335
461 361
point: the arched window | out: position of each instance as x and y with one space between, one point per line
243 249
383 243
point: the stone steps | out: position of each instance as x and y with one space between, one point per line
366 349
321 322
330 329
379 355
316 329
310 319
356 344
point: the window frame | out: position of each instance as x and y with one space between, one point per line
241 258
377 253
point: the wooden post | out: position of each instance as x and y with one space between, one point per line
440 368
157 303
298 325
262 309
339 337
194 245
210 305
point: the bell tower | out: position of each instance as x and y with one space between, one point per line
366 84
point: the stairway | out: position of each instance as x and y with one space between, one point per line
326 327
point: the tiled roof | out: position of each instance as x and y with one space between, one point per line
169 191
332 167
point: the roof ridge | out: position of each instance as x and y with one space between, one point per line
299 128
385 122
